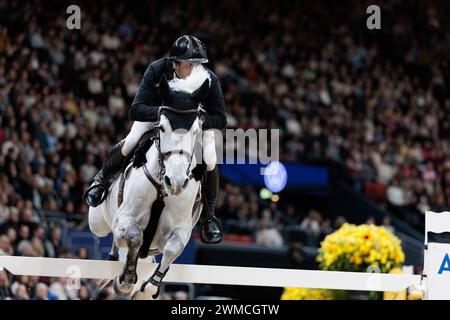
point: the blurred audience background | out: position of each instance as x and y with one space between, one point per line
372 105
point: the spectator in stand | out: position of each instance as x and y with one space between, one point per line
53 246
12 221
5 291
82 253
325 229
5 246
21 293
387 224
371 221
339 222
290 218
395 194
41 292
267 235
84 293
311 223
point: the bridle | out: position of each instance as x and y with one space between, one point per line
162 156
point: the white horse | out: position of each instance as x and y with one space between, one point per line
170 161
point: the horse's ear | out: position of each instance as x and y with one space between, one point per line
200 94
164 89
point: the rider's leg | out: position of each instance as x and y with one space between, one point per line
137 131
114 161
211 228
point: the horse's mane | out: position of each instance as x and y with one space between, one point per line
198 75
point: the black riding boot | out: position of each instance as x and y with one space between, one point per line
93 196
211 227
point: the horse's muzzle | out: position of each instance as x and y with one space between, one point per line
174 187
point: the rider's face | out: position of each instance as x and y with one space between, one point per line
184 69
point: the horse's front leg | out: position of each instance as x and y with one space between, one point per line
172 250
129 234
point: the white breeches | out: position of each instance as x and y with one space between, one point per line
209 150
137 131
139 128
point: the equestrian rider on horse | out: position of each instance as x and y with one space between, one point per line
186 52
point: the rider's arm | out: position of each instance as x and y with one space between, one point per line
144 107
215 107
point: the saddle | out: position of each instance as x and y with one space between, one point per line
143 146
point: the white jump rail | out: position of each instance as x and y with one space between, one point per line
207 274
436 277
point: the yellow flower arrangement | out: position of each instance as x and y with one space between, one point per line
355 248
352 248
306 294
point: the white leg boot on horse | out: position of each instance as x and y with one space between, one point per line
173 248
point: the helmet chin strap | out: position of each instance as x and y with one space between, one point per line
175 75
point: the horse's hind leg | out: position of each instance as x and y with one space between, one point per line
129 233
172 250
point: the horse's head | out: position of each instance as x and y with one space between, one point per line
179 126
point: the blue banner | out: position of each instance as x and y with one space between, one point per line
299 176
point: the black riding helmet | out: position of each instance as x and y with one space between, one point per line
188 48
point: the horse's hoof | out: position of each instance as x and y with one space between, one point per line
130 277
147 291
138 295
156 295
122 289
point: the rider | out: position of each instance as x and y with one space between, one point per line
186 52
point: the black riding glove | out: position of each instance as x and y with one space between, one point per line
199 170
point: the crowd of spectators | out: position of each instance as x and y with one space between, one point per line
373 103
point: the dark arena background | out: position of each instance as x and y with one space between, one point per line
363 117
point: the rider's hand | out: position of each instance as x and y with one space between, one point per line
199 170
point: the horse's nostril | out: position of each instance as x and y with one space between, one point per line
185 183
167 180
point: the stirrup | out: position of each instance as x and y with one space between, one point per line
97 185
217 223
